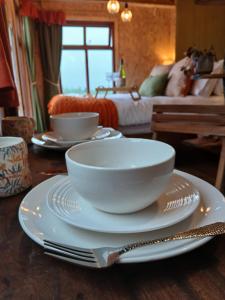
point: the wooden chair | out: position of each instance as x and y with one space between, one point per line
193 119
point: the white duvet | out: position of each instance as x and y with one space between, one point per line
140 112
132 112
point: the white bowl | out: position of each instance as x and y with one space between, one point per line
120 176
75 126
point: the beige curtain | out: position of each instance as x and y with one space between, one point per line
49 27
8 93
20 70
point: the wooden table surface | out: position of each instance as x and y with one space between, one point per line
26 273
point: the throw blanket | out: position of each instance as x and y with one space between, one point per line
108 115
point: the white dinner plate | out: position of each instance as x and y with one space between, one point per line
178 202
39 223
38 140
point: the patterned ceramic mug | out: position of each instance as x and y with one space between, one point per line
15 174
18 126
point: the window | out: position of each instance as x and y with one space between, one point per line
87 56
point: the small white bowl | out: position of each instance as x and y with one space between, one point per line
120 176
75 126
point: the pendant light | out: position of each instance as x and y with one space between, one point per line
126 14
113 6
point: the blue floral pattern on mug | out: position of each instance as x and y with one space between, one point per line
15 174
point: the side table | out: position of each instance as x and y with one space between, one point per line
133 91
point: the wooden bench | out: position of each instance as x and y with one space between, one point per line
193 119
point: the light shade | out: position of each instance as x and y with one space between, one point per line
113 6
126 14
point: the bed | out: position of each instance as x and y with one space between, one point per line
133 117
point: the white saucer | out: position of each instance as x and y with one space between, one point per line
38 140
178 202
51 136
39 223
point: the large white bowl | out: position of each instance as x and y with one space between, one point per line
120 176
75 126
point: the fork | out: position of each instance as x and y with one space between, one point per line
106 256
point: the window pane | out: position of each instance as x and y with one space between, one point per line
100 64
97 36
73 72
73 35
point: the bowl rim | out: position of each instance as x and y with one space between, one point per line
90 167
15 140
70 115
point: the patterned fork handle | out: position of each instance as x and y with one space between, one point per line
208 230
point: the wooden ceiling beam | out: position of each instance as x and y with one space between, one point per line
146 2
209 2
158 2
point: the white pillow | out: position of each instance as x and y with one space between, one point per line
179 83
218 91
160 70
205 87
178 65
219 86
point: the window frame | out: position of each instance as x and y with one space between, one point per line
86 47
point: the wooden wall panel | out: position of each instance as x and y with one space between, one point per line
199 25
149 39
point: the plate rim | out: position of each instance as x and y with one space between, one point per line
38 137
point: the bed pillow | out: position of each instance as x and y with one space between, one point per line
154 86
218 91
160 70
179 82
186 61
205 87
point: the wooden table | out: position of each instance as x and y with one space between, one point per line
26 273
133 91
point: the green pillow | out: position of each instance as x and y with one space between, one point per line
154 86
